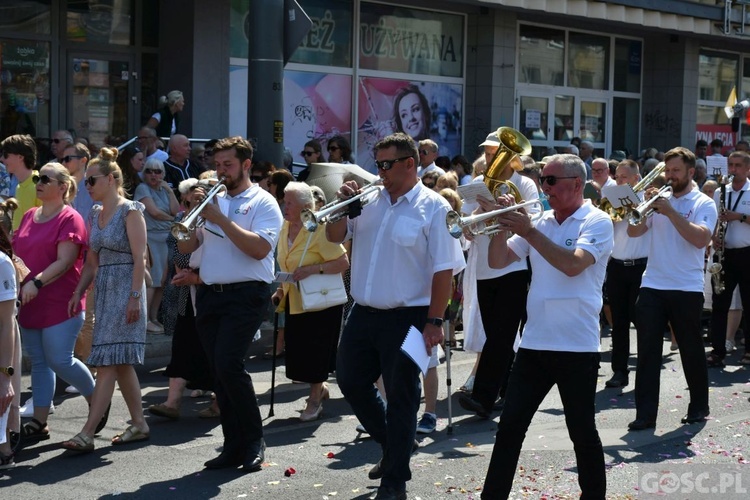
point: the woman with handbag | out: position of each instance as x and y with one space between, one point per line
313 318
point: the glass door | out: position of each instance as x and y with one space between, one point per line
101 98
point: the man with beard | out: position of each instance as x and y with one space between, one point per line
672 289
236 269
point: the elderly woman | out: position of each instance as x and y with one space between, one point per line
161 207
166 121
51 241
308 334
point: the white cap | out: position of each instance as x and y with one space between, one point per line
491 140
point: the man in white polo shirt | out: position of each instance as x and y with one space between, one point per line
236 268
568 248
672 290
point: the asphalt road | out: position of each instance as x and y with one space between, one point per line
331 459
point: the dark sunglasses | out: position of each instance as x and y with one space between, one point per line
429 185
66 159
258 178
308 153
152 171
333 148
91 180
44 179
388 164
424 152
552 180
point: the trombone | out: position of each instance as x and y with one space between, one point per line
645 210
333 212
184 229
476 225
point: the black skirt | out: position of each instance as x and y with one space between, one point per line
189 360
310 341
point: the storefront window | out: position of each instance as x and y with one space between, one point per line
541 52
100 21
588 61
24 94
329 41
25 17
627 65
624 112
405 40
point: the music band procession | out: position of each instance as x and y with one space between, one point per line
97 253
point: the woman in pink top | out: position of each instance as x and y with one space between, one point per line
51 240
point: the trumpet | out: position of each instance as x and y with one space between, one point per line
184 229
333 212
618 214
476 223
645 210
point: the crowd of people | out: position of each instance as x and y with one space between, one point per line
92 233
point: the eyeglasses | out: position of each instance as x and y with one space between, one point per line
424 152
388 164
152 171
91 180
333 148
552 180
429 185
258 178
308 153
44 179
66 159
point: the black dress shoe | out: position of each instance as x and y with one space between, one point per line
693 417
473 405
619 379
387 493
256 454
225 460
377 470
499 404
641 424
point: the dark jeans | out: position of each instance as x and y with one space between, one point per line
502 303
371 346
531 378
226 323
623 285
736 273
657 308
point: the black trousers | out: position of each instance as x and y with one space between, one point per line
736 273
226 324
657 308
502 304
623 285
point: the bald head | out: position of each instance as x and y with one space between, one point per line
600 171
179 148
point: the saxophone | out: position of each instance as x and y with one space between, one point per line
716 269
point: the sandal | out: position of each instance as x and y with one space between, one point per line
198 393
80 443
131 435
6 461
35 430
745 360
209 412
714 361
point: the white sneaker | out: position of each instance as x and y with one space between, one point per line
27 410
72 390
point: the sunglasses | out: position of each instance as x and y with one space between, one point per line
258 178
388 164
152 171
333 148
66 159
308 153
91 180
44 179
551 180
424 152
429 185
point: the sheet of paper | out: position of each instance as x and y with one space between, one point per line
473 190
622 195
283 277
413 346
716 165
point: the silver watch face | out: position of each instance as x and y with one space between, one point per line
135 295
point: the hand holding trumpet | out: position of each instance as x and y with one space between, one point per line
516 221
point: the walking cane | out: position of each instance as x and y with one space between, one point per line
273 360
447 337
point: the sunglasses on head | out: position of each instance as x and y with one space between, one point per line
258 178
91 180
552 180
152 171
44 179
67 158
308 153
333 148
388 164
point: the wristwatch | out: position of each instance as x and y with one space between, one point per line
435 321
9 371
135 295
37 283
743 218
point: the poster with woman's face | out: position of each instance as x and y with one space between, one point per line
422 110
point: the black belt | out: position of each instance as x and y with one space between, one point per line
225 287
373 310
630 262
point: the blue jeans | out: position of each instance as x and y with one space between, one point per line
51 351
531 378
371 346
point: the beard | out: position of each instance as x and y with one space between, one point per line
679 185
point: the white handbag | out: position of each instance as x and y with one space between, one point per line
320 291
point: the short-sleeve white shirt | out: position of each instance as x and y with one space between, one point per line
222 261
8 287
563 311
738 232
627 247
673 263
397 248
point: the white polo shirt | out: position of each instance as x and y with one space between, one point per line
738 233
673 263
222 262
429 168
627 247
396 249
563 311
